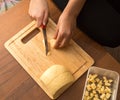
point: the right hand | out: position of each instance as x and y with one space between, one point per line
38 9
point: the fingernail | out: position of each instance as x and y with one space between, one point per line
44 23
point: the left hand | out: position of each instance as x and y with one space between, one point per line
65 27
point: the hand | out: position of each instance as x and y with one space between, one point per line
38 9
64 31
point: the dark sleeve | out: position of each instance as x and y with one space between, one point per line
99 20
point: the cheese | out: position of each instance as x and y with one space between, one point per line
52 43
57 79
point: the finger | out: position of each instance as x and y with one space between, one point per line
66 39
59 39
31 17
45 19
39 19
56 34
64 42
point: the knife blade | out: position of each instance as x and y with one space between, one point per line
45 38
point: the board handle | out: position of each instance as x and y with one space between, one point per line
27 33
31 35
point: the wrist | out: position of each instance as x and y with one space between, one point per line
65 16
69 14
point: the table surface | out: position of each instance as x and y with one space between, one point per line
16 84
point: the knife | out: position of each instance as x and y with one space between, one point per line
45 37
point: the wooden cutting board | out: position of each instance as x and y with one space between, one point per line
28 49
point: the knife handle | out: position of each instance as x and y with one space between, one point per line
43 26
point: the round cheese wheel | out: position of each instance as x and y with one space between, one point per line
57 79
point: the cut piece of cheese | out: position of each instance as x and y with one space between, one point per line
56 79
52 43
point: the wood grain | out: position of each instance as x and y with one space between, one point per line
13 21
32 57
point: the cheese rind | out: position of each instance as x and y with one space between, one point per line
51 73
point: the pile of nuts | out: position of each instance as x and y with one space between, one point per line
98 88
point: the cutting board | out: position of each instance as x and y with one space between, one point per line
28 49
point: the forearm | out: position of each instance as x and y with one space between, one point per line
74 7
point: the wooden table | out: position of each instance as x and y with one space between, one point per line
16 84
